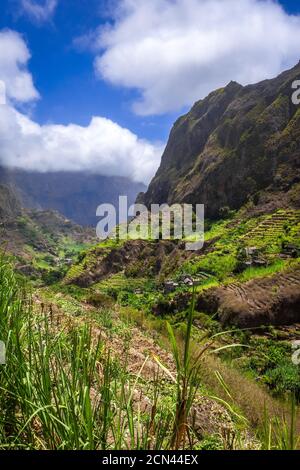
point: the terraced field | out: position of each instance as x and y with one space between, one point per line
273 227
273 300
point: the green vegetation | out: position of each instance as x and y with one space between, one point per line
217 264
269 361
52 395
143 344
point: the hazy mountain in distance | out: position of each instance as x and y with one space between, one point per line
73 194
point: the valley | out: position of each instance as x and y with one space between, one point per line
141 344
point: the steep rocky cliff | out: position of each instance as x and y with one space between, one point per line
239 143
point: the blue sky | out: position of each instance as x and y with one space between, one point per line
64 75
79 71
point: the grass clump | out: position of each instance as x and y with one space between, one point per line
61 388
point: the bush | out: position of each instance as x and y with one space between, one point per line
53 276
224 212
99 300
284 378
212 442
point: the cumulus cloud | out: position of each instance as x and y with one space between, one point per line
38 11
177 51
14 57
103 147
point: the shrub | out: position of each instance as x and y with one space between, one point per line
99 300
284 378
52 276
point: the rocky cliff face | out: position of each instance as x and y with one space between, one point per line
238 144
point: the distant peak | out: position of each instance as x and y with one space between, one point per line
234 84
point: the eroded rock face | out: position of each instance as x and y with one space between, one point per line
272 300
238 143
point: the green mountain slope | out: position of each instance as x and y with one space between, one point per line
238 152
43 242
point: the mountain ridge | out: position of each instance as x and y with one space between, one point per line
236 145
73 194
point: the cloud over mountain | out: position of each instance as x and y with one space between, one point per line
177 51
102 147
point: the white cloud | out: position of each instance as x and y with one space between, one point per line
177 51
14 56
103 147
39 11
